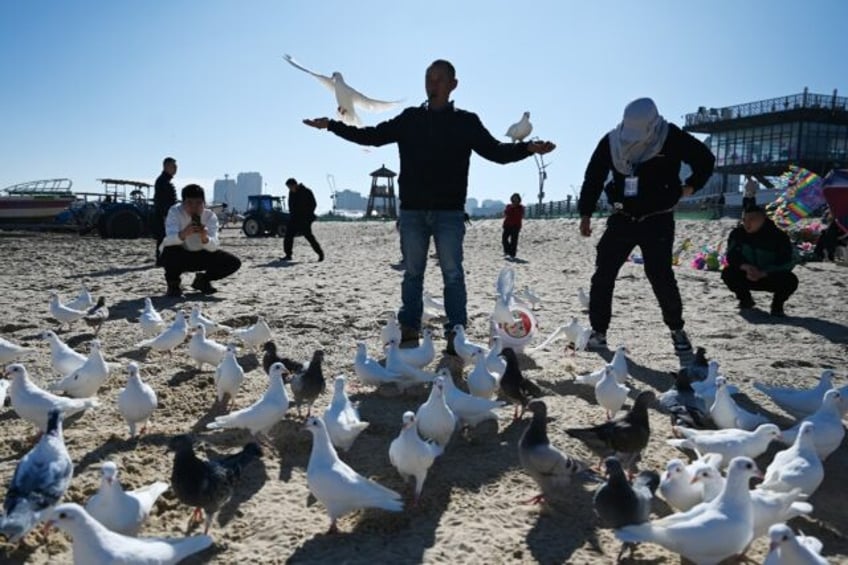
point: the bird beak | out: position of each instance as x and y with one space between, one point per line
694 480
110 480
772 546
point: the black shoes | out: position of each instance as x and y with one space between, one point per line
597 341
777 310
681 341
320 256
746 303
286 258
202 284
408 337
174 290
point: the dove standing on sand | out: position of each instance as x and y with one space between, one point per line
229 376
798 466
494 362
63 314
469 410
583 298
83 301
40 481
685 406
11 352
122 511
609 393
726 414
347 97
270 356
370 372
411 455
196 317
34 404
137 401
420 356
206 485
97 315
482 382
87 380
551 469
677 487
171 337
727 443
521 129
254 336
342 418
515 386
309 384
205 351
259 417
463 347
150 320
390 330
707 388
435 420
94 544
336 485
828 430
785 548
527 295
63 359
410 374
800 402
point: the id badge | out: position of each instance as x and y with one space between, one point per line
631 187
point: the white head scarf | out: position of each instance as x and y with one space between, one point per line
639 137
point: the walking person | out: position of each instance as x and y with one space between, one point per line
644 153
435 141
301 215
513 217
164 196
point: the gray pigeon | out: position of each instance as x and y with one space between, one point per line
309 383
270 356
96 315
517 388
40 480
685 406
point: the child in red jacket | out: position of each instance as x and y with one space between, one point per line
513 215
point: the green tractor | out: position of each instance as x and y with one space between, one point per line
265 216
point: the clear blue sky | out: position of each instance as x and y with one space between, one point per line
93 89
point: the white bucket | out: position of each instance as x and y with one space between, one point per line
519 333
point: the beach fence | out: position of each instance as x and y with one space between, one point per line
692 208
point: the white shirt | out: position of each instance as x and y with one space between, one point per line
178 219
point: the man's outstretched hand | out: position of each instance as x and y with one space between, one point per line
318 123
540 147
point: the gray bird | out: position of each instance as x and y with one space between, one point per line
271 356
698 369
516 387
552 469
97 314
40 480
308 384
684 404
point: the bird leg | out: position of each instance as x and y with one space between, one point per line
624 547
207 523
538 499
515 414
195 518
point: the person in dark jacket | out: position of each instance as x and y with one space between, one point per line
435 141
760 256
301 215
643 153
513 217
164 196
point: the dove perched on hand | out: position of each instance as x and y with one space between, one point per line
137 401
122 511
521 129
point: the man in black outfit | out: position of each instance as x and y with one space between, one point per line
643 154
760 257
301 215
164 196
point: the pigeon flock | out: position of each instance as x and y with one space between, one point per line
707 491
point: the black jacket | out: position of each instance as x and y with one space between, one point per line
659 178
164 195
435 149
302 205
769 249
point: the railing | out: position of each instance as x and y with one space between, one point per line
707 206
805 100
45 186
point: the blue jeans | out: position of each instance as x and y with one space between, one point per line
447 228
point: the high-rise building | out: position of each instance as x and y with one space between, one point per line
350 200
225 191
234 193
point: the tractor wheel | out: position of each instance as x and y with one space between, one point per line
252 228
123 224
281 230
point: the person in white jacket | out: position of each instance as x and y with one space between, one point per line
191 244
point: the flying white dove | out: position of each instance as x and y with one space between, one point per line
726 414
390 330
463 347
11 352
482 382
527 295
151 321
122 511
254 336
87 380
494 362
347 97
420 356
342 418
137 401
785 548
609 393
33 404
204 351
469 410
63 359
828 430
411 455
435 420
94 543
798 466
799 402
83 301
583 298
196 317
229 376
370 372
521 129
63 314
727 443
336 485
171 337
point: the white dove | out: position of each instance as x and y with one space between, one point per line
390 330
254 336
204 351
83 301
798 466
435 420
137 401
11 352
411 455
122 511
583 298
521 129
799 402
63 314
467 409
494 362
33 403
336 485
260 416
677 486
828 430
87 380
370 372
196 317
410 374
150 320
229 376
727 443
706 389
171 337
95 544
577 335
591 379
463 347
785 548
619 364
347 97
434 306
504 288
726 414
482 382
420 356
63 359
609 393
527 295
4 386
342 418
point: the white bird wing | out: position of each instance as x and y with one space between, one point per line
325 80
147 495
372 104
340 487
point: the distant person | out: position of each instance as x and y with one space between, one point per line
164 196
749 197
513 218
191 244
830 238
302 213
435 141
644 153
760 256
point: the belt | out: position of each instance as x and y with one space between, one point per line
633 218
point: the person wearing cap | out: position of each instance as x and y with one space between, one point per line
191 244
164 196
643 154
760 256
301 215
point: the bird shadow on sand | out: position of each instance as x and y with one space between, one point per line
118 444
253 477
658 380
546 540
276 263
831 331
114 271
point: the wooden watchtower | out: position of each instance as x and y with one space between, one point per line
381 199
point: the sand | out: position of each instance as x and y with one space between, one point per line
472 507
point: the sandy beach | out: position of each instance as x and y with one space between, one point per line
472 509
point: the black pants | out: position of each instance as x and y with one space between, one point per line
510 240
781 283
216 264
300 228
655 237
